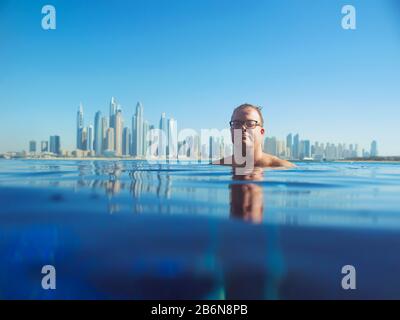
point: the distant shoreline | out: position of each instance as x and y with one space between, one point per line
385 160
100 159
373 159
377 161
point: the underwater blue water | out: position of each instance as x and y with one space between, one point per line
138 230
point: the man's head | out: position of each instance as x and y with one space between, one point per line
249 120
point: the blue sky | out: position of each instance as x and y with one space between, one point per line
197 60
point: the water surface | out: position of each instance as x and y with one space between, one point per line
138 230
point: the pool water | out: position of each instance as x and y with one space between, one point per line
139 230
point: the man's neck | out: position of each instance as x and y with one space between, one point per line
255 154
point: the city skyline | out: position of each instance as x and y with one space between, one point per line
110 137
115 136
199 60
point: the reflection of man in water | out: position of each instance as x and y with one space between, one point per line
247 198
247 136
255 273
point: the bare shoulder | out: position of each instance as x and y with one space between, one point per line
267 160
273 161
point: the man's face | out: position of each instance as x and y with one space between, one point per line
249 136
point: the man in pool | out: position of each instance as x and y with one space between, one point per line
248 134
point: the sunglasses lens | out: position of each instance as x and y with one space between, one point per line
249 124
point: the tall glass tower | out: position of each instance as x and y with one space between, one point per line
289 143
90 138
44 146
104 127
172 144
137 126
79 128
307 148
296 147
134 134
98 134
113 112
126 141
118 132
32 146
145 142
110 139
162 151
374 149
55 144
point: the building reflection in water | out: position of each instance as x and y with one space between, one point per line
197 190
245 194
138 180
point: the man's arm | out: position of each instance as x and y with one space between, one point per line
276 162
273 161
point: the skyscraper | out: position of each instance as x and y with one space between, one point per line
84 143
301 150
32 146
90 138
151 147
137 128
126 141
331 151
110 139
55 144
355 151
164 138
44 146
118 133
270 145
281 148
79 128
113 111
306 149
172 145
98 134
289 143
104 127
145 140
374 149
341 150
134 136
296 147
214 149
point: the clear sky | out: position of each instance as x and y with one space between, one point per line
198 59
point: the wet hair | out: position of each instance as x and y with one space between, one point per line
247 105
